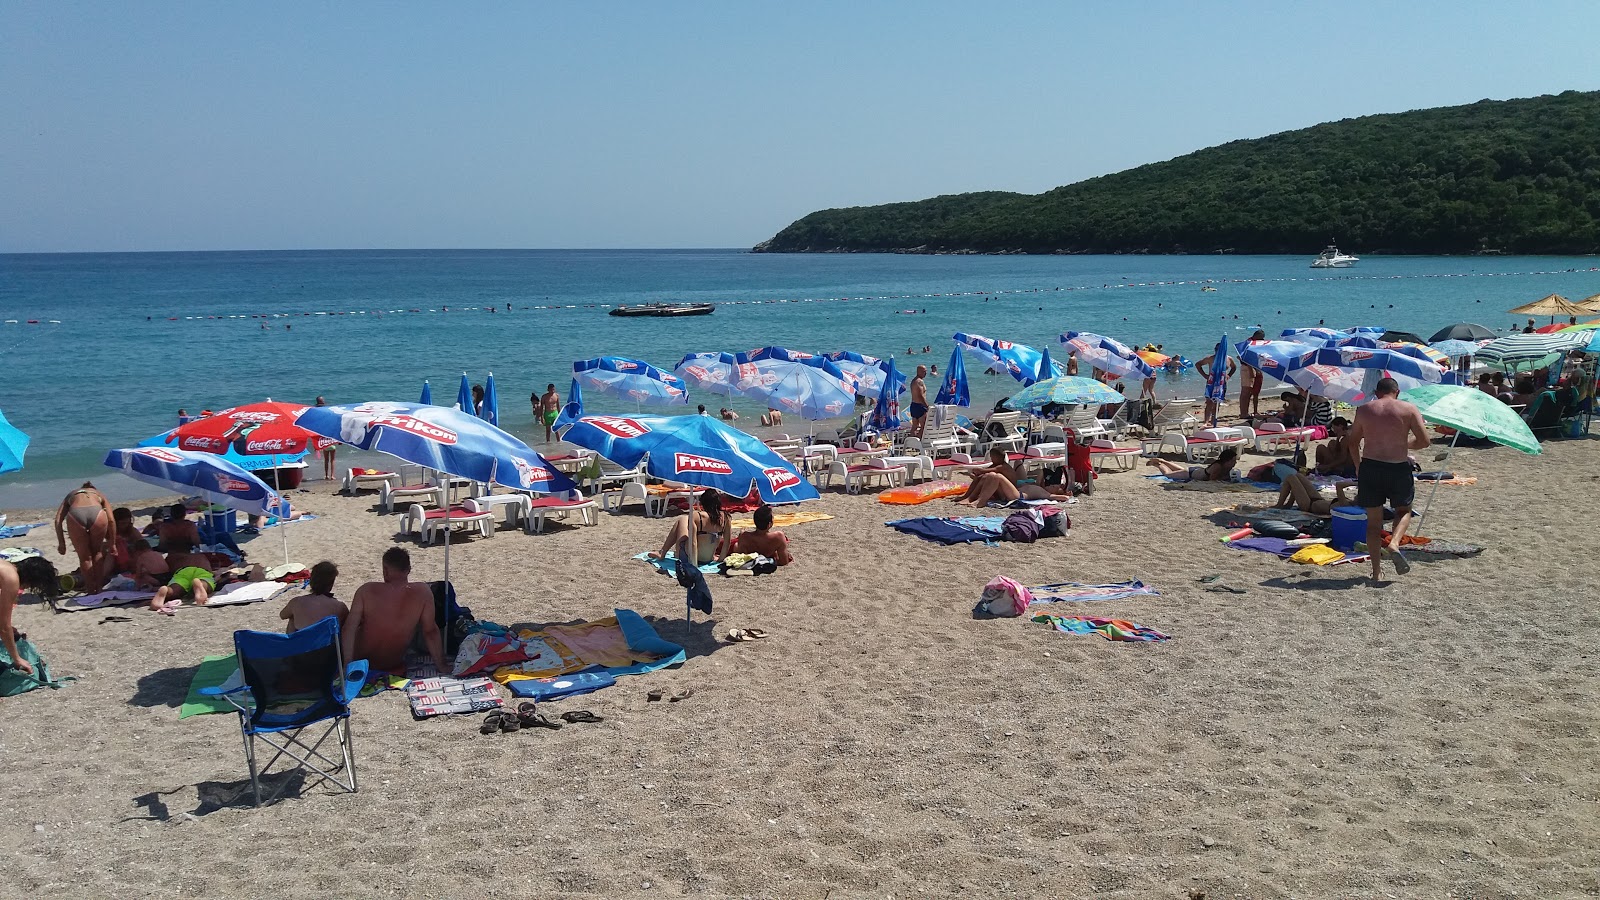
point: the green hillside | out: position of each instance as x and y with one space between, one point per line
1518 176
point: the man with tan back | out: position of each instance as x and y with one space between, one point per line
1385 432
386 615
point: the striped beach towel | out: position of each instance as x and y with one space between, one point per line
1110 629
1075 592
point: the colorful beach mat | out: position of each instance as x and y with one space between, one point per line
668 565
1214 487
1110 629
1076 592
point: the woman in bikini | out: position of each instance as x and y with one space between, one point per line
86 515
712 528
1300 492
1219 470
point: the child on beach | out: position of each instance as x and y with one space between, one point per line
308 609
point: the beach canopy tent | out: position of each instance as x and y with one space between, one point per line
633 379
13 446
953 390
1018 360
1527 352
1462 331
1471 412
1551 305
205 475
1106 354
694 450
804 384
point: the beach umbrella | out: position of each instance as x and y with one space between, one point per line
865 373
269 428
1217 381
696 450
1552 327
1331 337
809 386
193 472
574 400
13 446
437 437
1551 305
1063 390
633 379
1107 354
716 372
886 411
1456 349
1462 331
1400 337
1153 359
1045 369
491 402
1420 351
1275 358
247 463
464 396
1591 303
1019 360
1471 412
1351 374
953 389
427 394
1584 326
1527 352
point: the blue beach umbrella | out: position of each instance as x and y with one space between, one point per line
1019 360
464 396
953 390
1276 358
1455 349
714 372
1351 374
865 373
696 450
1107 354
427 394
886 411
491 402
808 386
633 379
1063 390
191 472
1046 368
1217 381
13 446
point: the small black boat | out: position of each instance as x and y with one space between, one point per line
665 310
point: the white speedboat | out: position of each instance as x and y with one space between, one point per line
1331 258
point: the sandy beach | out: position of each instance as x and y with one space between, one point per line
1312 737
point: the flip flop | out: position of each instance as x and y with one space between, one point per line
115 619
527 714
738 635
509 722
581 715
1401 564
491 723
755 634
539 721
684 694
655 695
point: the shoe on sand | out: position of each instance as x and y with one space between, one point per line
1402 565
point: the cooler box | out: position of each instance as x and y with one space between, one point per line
1349 526
222 521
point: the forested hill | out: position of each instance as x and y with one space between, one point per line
1516 176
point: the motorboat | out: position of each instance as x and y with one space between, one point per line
665 310
1331 258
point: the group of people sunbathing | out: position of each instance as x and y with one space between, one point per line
709 528
383 620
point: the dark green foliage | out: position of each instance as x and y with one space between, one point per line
1518 176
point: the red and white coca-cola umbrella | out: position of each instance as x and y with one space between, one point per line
256 429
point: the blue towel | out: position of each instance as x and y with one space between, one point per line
11 531
942 531
559 686
669 565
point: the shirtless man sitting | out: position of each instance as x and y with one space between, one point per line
1384 433
386 615
177 526
772 544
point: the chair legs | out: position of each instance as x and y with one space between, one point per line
291 740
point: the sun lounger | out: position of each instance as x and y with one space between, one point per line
1041 457
855 477
1201 445
1102 450
428 522
367 479
1276 436
560 507
515 504
956 462
393 493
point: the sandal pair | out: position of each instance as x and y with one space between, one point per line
528 716
738 635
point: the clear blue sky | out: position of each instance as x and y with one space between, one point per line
205 125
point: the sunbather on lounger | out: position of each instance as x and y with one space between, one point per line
1299 492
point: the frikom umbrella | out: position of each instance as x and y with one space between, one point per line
953 389
13 446
1351 374
809 386
886 411
1107 354
491 403
865 373
633 379
1019 360
193 472
1471 412
714 372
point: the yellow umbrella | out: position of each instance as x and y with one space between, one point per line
1552 306
1592 304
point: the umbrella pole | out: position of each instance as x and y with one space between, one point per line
283 522
694 560
1429 505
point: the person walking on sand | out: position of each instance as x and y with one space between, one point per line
545 410
385 616
919 401
1380 441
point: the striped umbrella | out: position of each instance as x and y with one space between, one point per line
1527 352
1107 354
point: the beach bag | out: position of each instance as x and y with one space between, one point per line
1022 526
1004 597
13 682
1055 522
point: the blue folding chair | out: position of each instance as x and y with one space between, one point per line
294 682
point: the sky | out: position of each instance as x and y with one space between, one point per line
207 126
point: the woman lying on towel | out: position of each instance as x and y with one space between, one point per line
712 529
1299 492
1219 470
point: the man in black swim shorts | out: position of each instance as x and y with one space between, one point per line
1380 441
919 401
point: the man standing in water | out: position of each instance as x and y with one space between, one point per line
919 401
1380 441
545 410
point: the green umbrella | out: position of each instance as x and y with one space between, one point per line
1065 390
1472 412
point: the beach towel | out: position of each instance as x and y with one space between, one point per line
14 682
559 686
1413 544
944 531
668 565
1214 487
246 592
620 644
214 671
18 554
11 531
482 652
1279 547
103 599
274 521
1076 592
783 519
1317 555
442 695
1110 629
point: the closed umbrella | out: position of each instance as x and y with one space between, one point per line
13 446
1527 352
464 396
953 389
1217 380
1471 412
1462 331
633 379
491 403
1046 368
427 394
886 411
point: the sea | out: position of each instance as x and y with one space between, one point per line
101 350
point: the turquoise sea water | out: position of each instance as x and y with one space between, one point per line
141 335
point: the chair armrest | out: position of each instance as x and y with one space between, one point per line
355 678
